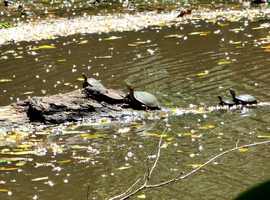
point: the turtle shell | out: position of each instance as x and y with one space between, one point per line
246 98
226 101
114 95
94 83
146 98
243 98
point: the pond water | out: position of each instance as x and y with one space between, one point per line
185 65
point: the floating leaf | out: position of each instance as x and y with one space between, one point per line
83 42
208 126
224 62
106 57
20 163
27 93
5 80
20 153
40 179
173 36
61 60
91 135
124 167
112 38
8 168
43 47
263 136
4 190
243 150
203 73
63 161
202 33
141 196
194 166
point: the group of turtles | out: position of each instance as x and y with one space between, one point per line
140 100
243 99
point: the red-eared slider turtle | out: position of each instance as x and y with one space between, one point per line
96 90
93 83
142 100
243 99
225 101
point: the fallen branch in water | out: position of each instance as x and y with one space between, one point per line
145 185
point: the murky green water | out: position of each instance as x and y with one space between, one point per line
183 65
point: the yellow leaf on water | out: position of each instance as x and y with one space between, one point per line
91 135
124 167
202 33
173 36
21 163
4 190
194 166
40 179
5 80
61 60
203 73
112 38
243 150
208 126
43 47
141 196
20 153
83 42
8 168
224 62
80 79
263 136
63 161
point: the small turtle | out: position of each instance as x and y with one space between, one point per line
184 12
96 90
243 99
142 100
93 83
225 102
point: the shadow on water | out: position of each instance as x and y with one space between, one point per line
182 65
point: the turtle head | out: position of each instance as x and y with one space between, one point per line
232 92
130 87
85 83
84 76
220 98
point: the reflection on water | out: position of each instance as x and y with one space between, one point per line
182 64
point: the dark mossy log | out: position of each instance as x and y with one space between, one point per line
73 106
60 108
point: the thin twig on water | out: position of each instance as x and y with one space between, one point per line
179 177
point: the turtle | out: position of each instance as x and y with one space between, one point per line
98 91
142 100
184 12
243 99
225 101
93 83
